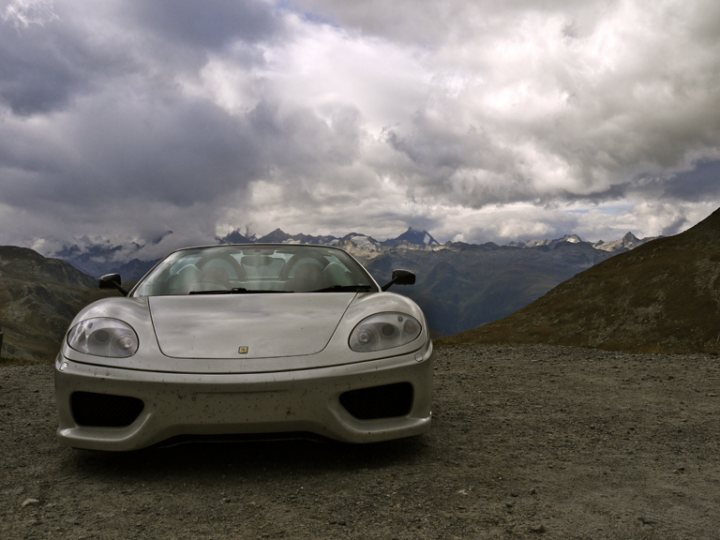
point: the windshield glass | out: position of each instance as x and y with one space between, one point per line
254 269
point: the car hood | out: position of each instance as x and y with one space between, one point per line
246 325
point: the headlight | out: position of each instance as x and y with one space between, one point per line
384 331
103 337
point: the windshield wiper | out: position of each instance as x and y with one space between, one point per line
346 288
239 290
236 290
264 291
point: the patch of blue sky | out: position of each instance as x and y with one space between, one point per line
309 16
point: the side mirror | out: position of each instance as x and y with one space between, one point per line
401 277
112 281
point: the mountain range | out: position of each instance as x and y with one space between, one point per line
100 257
662 296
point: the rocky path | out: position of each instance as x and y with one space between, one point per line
528 442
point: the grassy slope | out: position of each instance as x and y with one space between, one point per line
663 296
38 299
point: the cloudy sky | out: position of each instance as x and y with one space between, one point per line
477 120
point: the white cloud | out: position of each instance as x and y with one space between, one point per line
24 13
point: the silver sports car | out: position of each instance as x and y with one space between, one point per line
246 339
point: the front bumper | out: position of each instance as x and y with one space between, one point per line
176 404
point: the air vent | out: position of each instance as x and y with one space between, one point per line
385 401
104 410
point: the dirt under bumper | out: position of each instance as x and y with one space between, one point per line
105 408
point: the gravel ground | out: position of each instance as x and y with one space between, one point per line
527 442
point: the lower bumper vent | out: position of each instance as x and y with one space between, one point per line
385 401
104 410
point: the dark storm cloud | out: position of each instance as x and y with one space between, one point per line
42 67
209 24
34 76
175 150
699 184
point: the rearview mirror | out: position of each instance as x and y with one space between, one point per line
400 277
111 281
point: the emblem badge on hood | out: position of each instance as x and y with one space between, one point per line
243 349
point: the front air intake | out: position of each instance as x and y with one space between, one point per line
376 402
104 410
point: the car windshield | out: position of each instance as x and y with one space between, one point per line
255 269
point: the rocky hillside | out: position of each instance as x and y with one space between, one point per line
663 296
38 298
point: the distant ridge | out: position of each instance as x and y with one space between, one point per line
663 296
99 256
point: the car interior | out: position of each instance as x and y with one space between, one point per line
215 271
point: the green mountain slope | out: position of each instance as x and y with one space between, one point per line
662 296
38 299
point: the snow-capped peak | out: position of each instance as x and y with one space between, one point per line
627 242
572 238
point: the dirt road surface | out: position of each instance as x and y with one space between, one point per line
527 442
